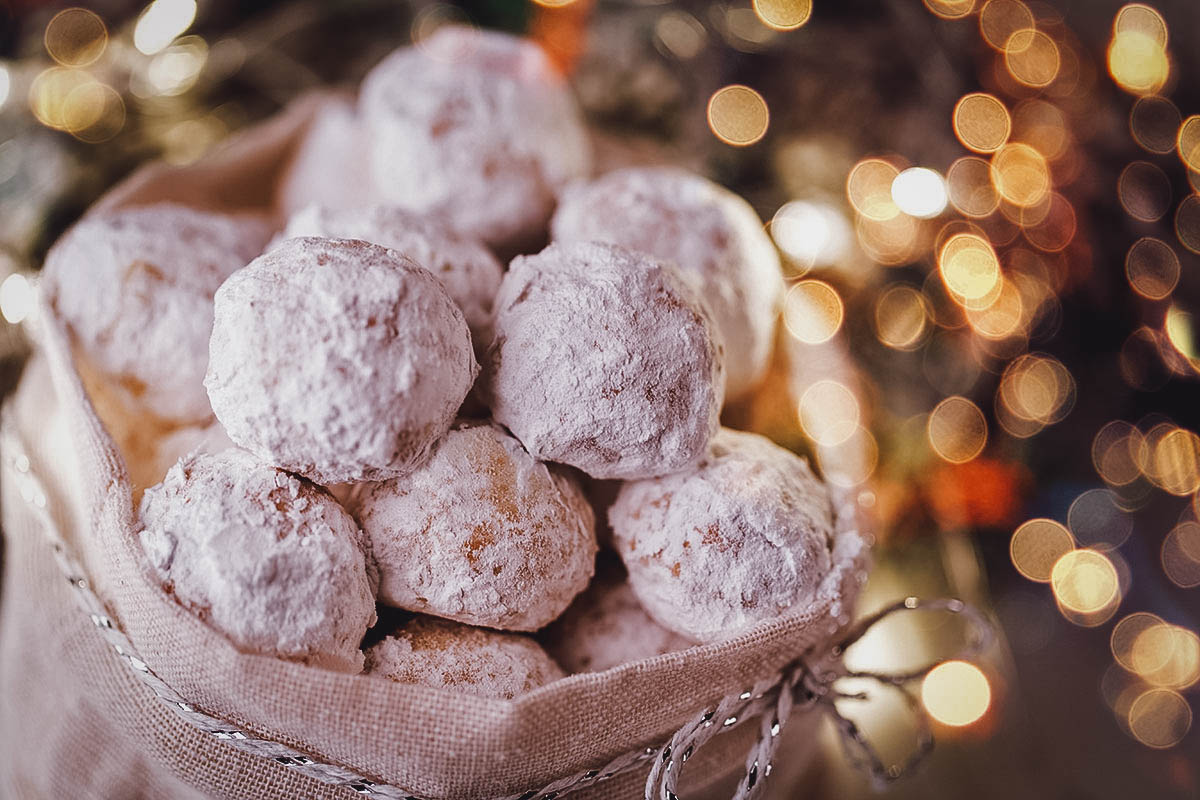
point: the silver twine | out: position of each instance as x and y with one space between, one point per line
806 683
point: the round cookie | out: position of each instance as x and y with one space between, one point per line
448 655
742 537
337 359
264 557
135 288
468 270
330 164
148 467
706 230
606 626
481 533
477 128
606 360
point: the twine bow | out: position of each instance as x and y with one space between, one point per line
808 683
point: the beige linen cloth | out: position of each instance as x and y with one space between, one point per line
77 722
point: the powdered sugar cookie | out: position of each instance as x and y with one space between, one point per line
476 128
337 359
135 288
742 537
707 231
606 360
481 533
267 558
448 655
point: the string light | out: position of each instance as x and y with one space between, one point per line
161 22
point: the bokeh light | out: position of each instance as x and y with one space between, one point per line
829 413
1180 555
1154 123
1177 462
16 298
969 269
161 22
957 430
1096 521
950 9
813 311
901 317
1084 581
1125 634
783 15
1167 656
1138 63
956 693
1144 191
1031 57
1152 268
919 192
76 37
999 20
869 189
1115 453
1159 718
811 234
981 122
1037 545
1020 174
1187 223
969 187
738 115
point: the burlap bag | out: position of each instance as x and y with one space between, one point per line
133 697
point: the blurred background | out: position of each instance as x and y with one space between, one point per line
995 201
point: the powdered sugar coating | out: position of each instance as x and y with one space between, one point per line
605 627
447 655
706 230
468 270
135 287
606 360
476 128
169 448
481 533
742 537
337 359
330 165
267 558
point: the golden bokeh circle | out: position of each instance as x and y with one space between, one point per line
1187 142
1000 19
969 184
1159 718
981 122
1032 58
738 115
76 37
1154 123
813 311
1177 462
1037 545
956 693
969 268
957 430
1020 174
1187 223
901 317
1114 453
1152 268
783 15
950 9
1144 191
829 413
1084 581
1141 18
1138 63
869 189
1125 634
1180 554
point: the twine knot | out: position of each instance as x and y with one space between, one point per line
809 683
